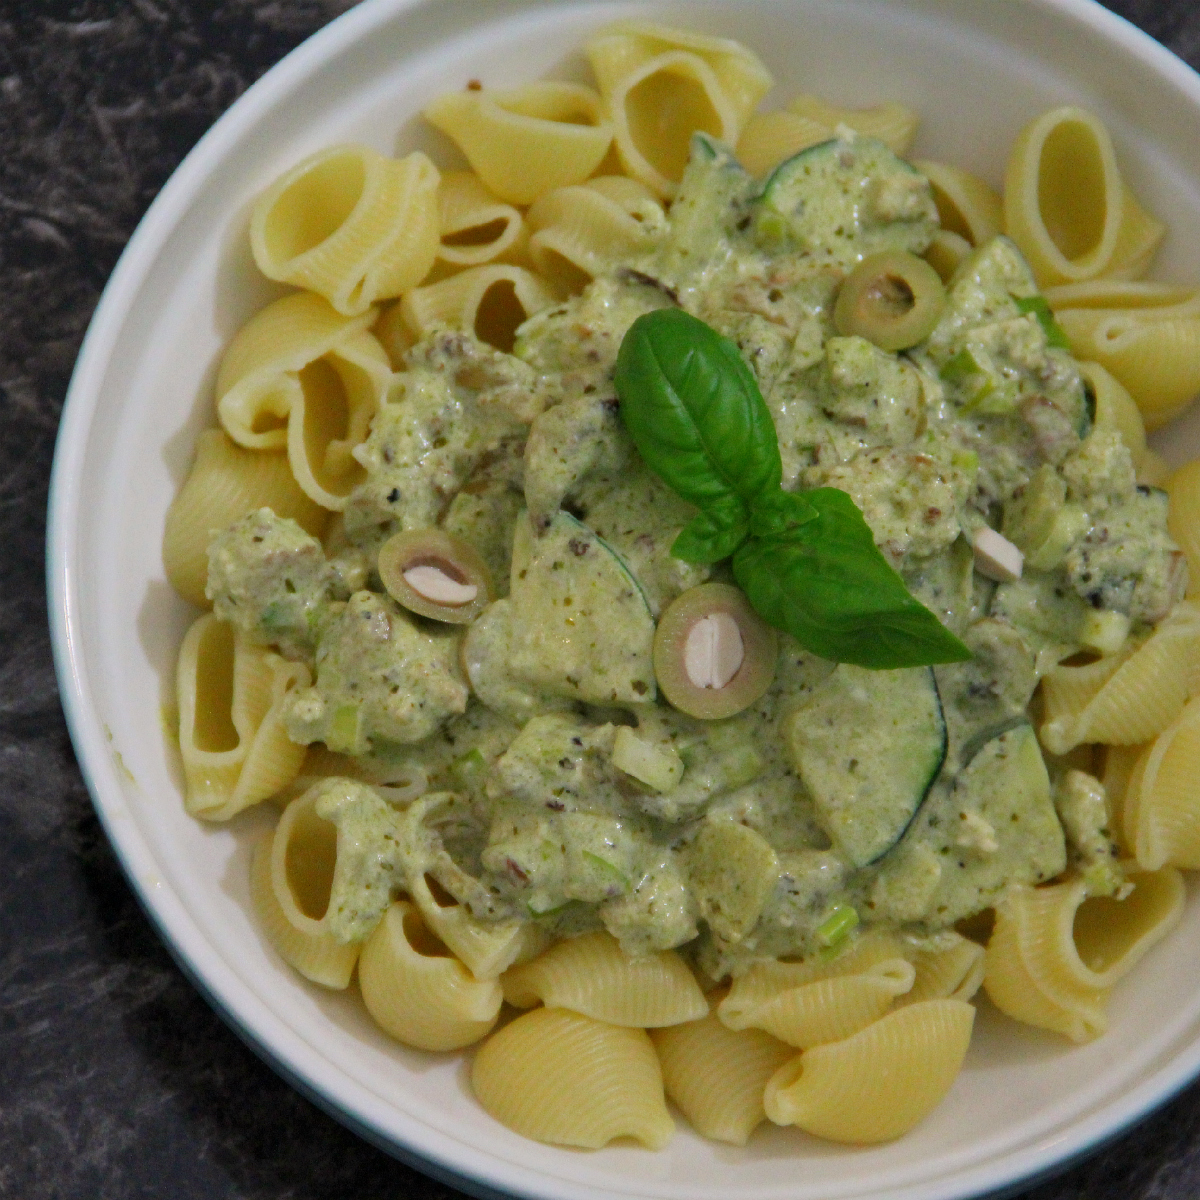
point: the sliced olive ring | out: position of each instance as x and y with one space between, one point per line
436 574
893 299
713 654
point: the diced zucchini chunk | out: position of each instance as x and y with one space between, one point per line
658 767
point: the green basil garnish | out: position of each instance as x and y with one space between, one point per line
829 586
1055 338
697 415
807 561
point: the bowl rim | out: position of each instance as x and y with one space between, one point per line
268 1035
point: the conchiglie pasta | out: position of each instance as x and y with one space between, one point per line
1162 809
299 376
826 1010
476 225
560 1077
892 123
590 974
1067 207
1183 517
767 139
529 140
577 232
1115 409
349 224
953 971
417 991
491 302
661 85
230 694
487 947
291 877
945 252
716 1076
1128 698
878 1084
225 483
966 205
1152 349
1119 763
1152 470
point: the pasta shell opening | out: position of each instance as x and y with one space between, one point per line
213 731
418 936
314 205
1072 188
1110 935
673 99
310 854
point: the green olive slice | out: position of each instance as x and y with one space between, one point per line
713 654
892 298
436 574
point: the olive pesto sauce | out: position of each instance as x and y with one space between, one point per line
912 797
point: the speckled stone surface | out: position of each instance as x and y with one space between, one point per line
117 1081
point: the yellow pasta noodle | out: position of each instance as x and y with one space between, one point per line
476 225
881 1082
1162 810
577 232
558 1076
590 974
1067 207
298 375
661 85
225 483
291 876
1129 698
487 947
892 123
1115 409
953 971
1183 517
767 139
490 301
235 749
529 140
716 1076
1146 335
826 1010
417 991
966 205
945 252
350 225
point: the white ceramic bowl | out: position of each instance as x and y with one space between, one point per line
976 71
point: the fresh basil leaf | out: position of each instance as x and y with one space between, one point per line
828 585
777 515
695 412
1055 338
711 536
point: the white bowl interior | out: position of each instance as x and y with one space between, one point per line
976 71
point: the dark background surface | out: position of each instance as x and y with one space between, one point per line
116 1078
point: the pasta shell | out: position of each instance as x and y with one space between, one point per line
557 1076
892 123
716 1076
291 875
591 974
1067 207
491 302
965 204
417 991
529 140
230 694
226 483
1183 517
1162 810
767 139
878 1084
349 224
477 227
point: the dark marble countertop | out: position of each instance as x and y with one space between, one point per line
116 1078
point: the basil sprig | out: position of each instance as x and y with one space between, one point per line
807 561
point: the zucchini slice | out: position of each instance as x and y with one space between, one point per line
844 199
869 745
581 626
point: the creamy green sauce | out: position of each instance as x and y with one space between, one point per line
911 797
